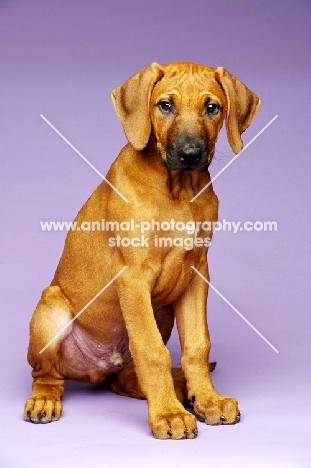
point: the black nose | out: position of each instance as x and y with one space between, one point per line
189 154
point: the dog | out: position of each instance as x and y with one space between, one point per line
110 308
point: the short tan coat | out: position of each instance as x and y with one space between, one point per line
171 115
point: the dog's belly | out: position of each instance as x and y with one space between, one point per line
87 359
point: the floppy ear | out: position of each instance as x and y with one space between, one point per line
242 107
131 102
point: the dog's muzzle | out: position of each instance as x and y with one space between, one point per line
187 155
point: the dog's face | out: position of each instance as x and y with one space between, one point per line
181 108
187 109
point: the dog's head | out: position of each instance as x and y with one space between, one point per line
182 107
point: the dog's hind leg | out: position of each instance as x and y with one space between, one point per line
125 383
46 328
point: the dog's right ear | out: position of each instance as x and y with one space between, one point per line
131 102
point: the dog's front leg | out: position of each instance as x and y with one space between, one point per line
190 311
166 416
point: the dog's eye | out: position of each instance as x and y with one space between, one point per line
165 106
212 109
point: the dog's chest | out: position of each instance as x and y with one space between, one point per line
175 277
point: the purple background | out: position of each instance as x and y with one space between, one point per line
62 59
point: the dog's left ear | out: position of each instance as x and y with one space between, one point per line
131 102
242 107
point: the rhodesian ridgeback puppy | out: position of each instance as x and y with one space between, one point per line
110 308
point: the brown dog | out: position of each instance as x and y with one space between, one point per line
90 324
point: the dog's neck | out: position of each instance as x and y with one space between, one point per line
183 184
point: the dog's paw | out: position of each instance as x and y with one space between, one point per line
42 410
174 425
217 410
